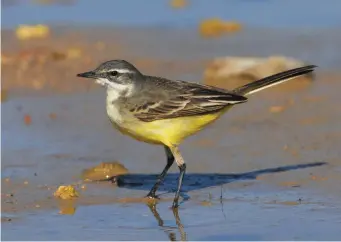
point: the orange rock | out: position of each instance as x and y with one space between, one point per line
24 32
290 203
104 170
216 27
66 192
206 203
178 3
276 109
52 116
27 119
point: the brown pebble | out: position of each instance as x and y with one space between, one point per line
290 203
178 3
53 116
276 109
206 203
27 119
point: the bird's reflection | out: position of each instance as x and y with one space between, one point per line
169 230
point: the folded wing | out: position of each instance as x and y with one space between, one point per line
188 100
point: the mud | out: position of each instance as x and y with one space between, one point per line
256 174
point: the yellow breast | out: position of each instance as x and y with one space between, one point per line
168 131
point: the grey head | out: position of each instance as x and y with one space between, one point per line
118 75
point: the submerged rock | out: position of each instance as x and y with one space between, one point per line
104 171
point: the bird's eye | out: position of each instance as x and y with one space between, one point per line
113 73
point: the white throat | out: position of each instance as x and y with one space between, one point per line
116 90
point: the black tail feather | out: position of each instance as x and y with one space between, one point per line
273 80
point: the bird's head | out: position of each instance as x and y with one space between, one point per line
118 75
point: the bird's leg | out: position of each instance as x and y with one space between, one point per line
170 161
182 166
180 226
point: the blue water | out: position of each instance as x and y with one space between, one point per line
158 13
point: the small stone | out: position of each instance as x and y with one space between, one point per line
178 3
66 192
276 109
52 116
27 119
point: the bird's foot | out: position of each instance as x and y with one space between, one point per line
152 196
175 205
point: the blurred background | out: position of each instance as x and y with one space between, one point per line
278 156
162 34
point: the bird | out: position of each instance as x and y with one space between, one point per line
164 112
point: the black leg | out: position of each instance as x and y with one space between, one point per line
170 161
182 168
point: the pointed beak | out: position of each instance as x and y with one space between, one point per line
89 74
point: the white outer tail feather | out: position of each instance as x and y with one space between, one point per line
271 85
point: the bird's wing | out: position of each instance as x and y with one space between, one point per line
183 99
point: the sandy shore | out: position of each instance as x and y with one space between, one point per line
252 175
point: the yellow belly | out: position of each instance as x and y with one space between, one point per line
170 131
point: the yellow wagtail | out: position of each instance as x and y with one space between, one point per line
161 111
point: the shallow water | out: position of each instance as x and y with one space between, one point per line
238 220
234 188
253 175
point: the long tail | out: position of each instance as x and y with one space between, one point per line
273 80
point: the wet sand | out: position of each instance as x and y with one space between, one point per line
253 175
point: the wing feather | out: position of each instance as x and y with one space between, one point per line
188 99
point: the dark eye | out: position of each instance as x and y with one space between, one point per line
113 73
